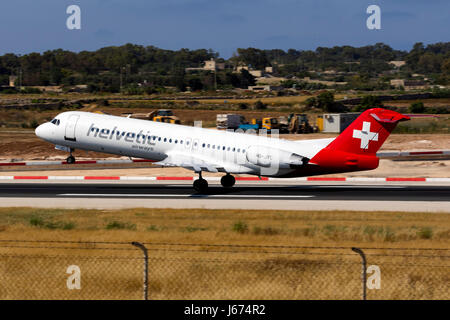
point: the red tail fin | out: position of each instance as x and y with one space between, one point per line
368 132
355 149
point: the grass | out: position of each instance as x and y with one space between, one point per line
117 225
223 273
228 226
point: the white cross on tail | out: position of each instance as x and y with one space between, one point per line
365 135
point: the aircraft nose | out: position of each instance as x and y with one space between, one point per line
41 131
38 131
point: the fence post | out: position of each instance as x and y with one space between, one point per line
364 271
145 251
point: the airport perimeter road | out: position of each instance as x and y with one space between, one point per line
427 198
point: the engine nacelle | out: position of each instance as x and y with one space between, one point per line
271 157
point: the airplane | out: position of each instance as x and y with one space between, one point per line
206 150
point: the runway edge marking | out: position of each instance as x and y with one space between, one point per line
312 179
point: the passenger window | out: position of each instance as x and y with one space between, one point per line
165 139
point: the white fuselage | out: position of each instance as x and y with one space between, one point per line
195 148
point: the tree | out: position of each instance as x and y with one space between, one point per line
311 102
246 79
259 105
195 84
417 107
256 58
368 102
325 100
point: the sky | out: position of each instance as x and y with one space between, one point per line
222 25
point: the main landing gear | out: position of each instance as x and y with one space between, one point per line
70 159
227 181
201 185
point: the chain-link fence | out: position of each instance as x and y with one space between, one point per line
125 270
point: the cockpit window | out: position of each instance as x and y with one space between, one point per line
56 122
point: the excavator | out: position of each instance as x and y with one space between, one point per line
298 123
161 115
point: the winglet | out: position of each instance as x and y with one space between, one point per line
388 116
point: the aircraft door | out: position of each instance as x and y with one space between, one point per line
70 127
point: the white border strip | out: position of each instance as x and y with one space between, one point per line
305 179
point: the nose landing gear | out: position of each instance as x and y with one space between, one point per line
70 159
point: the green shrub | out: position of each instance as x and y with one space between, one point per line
368 102
267 231
117 225
243 106
240 227
425 233
417 107
260 105
37 221
42 223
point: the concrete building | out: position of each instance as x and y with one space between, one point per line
265 88
213 65
255 73
397 63
209 65
324 82
12 81
337 122
409 84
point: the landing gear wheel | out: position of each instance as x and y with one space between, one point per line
70 159
201 185
228 181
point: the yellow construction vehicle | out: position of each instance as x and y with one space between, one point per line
298 123
270 123
267 123
162 115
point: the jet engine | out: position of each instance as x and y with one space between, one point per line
272 157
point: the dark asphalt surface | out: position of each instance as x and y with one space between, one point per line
279 192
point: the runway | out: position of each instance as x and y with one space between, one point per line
430 198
